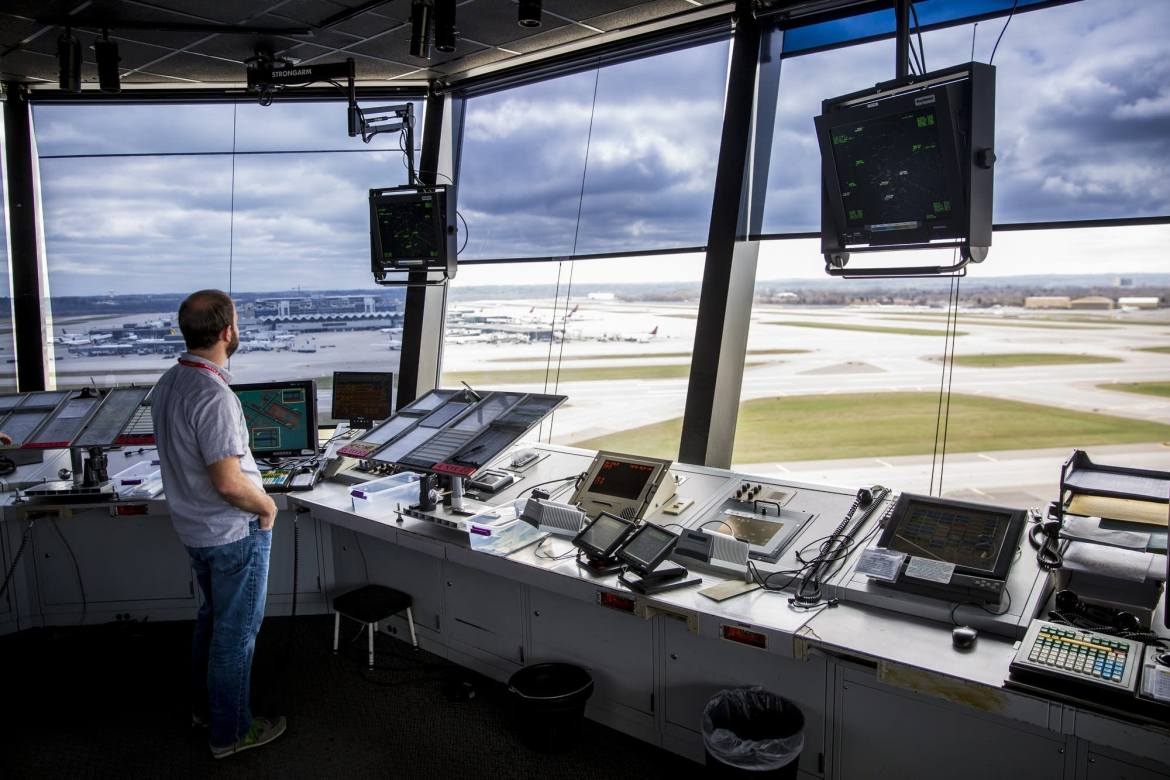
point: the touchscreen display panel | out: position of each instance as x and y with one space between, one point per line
647 544
602 533
959 535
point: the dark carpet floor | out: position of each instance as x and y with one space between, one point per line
112 701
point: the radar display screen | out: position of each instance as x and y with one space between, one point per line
281 417
621 479
891 172
966 535
408 228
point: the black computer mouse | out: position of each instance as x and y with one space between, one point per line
963 637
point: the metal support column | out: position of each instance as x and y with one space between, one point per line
24 258
422 328
902 38
728 274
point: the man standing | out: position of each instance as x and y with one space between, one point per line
223 516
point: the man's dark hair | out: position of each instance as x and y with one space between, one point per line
203 316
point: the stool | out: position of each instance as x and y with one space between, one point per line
370 605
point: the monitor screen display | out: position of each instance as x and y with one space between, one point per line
408 227
281 417
647 547
963 535
602 535
621 479
362 395
890 171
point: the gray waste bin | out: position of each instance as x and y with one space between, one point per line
752 732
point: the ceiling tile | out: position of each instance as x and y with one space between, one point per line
227 11
494 23
584 9
395 45
549 38
644 12
193 66
368 24
22 65
13 30
476 60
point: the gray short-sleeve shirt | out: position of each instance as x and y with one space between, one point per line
197 421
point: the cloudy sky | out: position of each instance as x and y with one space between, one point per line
614 160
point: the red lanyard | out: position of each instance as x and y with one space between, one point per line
204 366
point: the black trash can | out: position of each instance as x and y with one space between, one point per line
752 732
550 704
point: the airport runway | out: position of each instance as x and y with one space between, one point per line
835 361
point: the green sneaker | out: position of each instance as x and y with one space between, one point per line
261 732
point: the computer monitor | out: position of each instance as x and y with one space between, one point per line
411 230
281 417
362 397
910 165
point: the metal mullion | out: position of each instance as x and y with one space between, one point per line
708 420
25 258
419 348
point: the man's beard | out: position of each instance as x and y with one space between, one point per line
234 344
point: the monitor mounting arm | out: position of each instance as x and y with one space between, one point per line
268 74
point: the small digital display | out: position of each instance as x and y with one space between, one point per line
647 547
890 170
362 395
281 417
621 479
602 535
962 535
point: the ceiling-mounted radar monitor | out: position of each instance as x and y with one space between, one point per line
908 165
412 228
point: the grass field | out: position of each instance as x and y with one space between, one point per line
1144 388
1016 359
856 425
862 328
522 376
999 323
1158 350
639 356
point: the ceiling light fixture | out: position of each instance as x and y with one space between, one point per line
445 25
529 13
420 29
69 62
106 52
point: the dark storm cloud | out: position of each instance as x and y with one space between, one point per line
650 172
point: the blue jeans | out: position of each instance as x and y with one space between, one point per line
233 579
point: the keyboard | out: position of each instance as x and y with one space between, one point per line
1077 655
276 480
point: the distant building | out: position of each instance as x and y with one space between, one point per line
1123 281
1139 303
1047 302
1096 302
601 296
